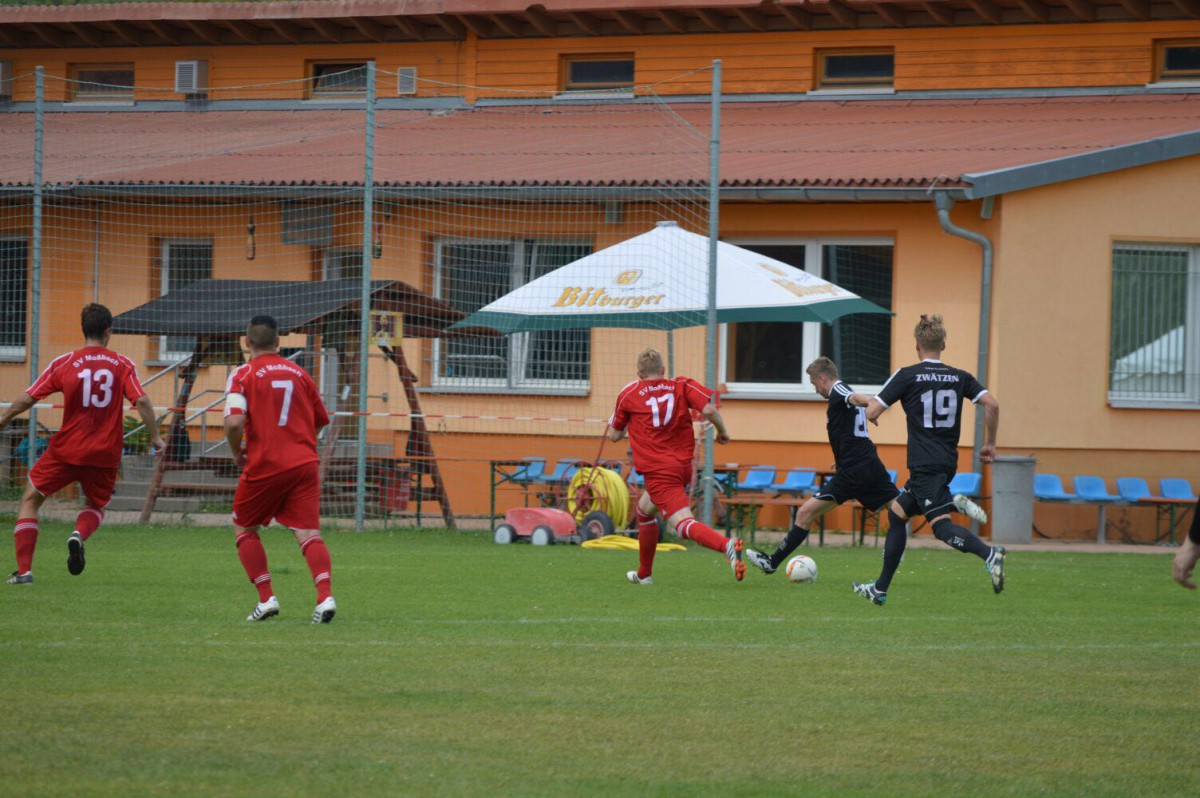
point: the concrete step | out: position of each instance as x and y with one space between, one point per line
165 504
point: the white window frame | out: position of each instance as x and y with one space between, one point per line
518 343
18 354
811 344
166 355
1189 397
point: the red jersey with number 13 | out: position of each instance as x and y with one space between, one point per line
658 415
93 381
283 413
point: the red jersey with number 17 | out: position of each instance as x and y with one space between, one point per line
658 415
93 381
283 413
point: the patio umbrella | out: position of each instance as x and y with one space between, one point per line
658 280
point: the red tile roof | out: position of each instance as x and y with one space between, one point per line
884 143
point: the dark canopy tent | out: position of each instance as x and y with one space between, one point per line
216 313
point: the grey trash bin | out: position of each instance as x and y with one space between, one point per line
1012 498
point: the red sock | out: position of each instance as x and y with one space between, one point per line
704 535
88 521
25 537
317 556
254 559
647 542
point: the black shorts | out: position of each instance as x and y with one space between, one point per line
927 493
867 483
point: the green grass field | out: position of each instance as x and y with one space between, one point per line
458 667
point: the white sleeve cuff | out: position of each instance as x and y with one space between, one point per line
235 403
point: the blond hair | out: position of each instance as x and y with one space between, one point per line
930 333
650 363
823 366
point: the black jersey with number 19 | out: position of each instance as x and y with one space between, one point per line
847 428
932 394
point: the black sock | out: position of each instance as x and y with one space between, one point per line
961 538
795 537
893 549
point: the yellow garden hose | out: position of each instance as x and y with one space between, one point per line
607 490
622 543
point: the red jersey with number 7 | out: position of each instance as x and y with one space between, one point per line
283 413
658 415
93 381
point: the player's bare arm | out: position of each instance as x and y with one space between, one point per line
713 416
235 426
19 406
145 409
991 424
875 409
615 435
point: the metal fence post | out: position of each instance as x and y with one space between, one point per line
364 315
710 329
35 299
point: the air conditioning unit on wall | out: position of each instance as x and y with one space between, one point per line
191 77
406 80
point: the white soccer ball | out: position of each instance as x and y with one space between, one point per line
801 569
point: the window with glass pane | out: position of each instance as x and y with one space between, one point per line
1180 61
339 80
1153 349
553 356
598 72
773 356
768 351
342 264
861 344
14 277
856 69
183 263
470 274
102 81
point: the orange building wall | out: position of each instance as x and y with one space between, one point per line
982 57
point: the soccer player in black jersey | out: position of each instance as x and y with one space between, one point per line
1189 552
932 395
859 475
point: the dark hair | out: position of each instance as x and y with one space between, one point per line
263 332
95 320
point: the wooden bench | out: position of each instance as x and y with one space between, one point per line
743 510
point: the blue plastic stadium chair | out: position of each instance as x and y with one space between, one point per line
1049 488
1093 489
758 478
555 476
967 484
1133 489
1175 488
797 481
572 470
636 480
526 474
892 474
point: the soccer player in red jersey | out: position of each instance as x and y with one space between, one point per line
656 412
94 381
272 414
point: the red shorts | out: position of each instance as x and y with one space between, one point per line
668 488
50 475
292 498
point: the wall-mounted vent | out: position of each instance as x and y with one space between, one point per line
406 80
191 77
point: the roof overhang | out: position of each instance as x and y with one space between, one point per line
363 21
885 151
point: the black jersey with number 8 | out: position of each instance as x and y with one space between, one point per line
932 395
